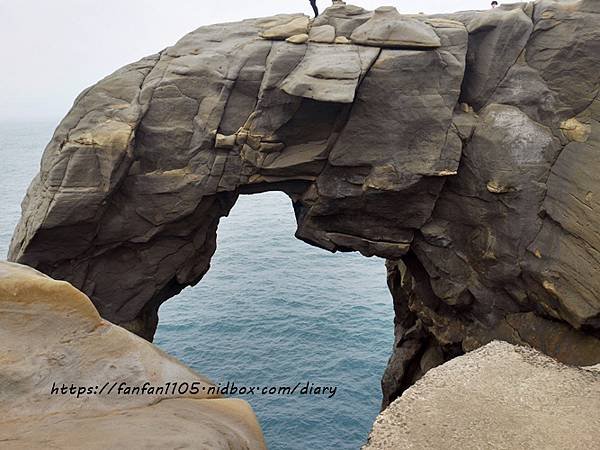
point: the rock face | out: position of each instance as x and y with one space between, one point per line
463 149
387 28
53 336
507 397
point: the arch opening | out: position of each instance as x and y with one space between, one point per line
273 311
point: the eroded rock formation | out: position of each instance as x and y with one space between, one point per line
499 396
52 336
463 148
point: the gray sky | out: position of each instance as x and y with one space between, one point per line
53 49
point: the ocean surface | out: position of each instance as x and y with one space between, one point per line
272 311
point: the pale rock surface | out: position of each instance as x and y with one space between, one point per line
51 333
498 397
299 25
324 34
342 40
387 28
298 39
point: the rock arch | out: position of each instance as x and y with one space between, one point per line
455 147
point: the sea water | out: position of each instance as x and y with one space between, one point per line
271 312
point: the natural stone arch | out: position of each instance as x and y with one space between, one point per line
476 210
151 157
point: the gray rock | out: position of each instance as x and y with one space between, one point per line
471 165
324 34
562 258
566 39
387 28
330 73
496 39
344 18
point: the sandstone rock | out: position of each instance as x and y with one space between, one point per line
576 131
53 335
342 40
524 88
298 39
344 18
590 6
499 396
324 34
470 164
329 73
296 26
496 38
560 27
387 28
566 242
225 142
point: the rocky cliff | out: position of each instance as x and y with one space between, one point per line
53 337
464 149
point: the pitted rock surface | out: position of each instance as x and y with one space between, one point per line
501 397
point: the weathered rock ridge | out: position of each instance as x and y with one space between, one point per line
462 148
53 336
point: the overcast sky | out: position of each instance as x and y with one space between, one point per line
53 49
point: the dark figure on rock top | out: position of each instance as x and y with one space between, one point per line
313 3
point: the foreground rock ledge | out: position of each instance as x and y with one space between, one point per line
463 148
501 397
51 333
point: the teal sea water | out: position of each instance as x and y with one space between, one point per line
271 311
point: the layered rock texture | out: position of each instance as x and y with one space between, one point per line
507 397
53 336
463 148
